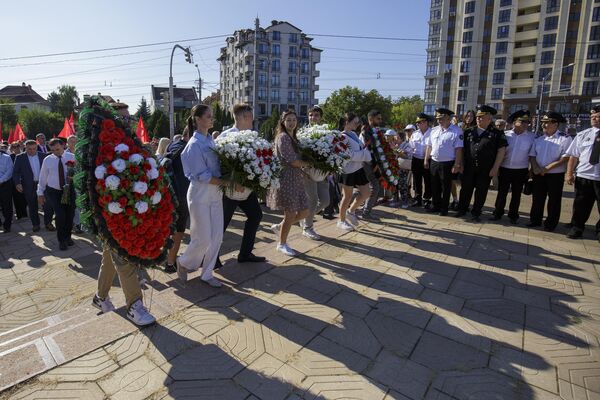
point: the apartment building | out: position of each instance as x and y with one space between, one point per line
505 53
277 70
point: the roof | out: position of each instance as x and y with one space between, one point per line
275 23
22 94
187 94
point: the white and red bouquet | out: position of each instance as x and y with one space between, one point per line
385 158
247 160
325 149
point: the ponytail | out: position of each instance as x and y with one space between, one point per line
190 125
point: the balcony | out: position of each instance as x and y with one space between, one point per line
528 4
315 87
247 68
524 67
524 51
316 73
526 35
519 96
521 83
528 19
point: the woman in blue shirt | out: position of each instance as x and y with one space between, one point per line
201 166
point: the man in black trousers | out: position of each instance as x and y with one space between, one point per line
420 175
243 117
484 151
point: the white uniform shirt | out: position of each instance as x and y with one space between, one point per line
418 143
517 152
223 134
49 172
34 163
548 149
581 148
444 142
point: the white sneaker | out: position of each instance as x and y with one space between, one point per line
139 315
275 228
345 226
214 282
182 273
105 305
311 234
287 250
350 216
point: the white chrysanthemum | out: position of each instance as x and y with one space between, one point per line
152 174
100 172
141 207
136 158
112 182
388 172
121 148
156 198
119 164
114 208
140 187
151 161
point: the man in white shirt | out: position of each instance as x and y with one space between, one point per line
243 117
6 172
445 147
53 177
584 153
515 167
421 176
548 158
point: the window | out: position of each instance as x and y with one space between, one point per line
467 37
434 42
469 7
497 93
293 38
501 47
460 109
593 52
433 56
429 96
435 14
275 65
293 67
570 51
304 82
465 66
503 31
568 70
276 50
592 70
466 52
500 63
275 95
305 52
595 32
304 68
275 80
463 81
276 35
468 24
462 95
262 94
547 57
571 35
292 81
303 110
431 69
549 40
291 95
504 16
262 79
436 3
498 78
542 72
262 64
505 3
590 88
552 6
293 51
434 29
262 108
304 95
574 16
551 23
596 14
263 48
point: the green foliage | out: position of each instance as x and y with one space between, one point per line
405 111
161 129
143 110
34 121
152 123
267 129
353 99
65 101
8 116
221 117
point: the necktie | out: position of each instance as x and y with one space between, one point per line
595 156
61 173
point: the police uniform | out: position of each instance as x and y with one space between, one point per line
548 149
587 183
481 147
421 176
514 169
443 144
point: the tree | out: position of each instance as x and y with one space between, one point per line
153 121
405 111
143 110
353 99
36 121
65 101
8 116
267 129
222 118
161 129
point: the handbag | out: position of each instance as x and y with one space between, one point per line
528 187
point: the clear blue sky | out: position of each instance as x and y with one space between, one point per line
37 27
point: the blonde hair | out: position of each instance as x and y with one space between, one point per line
163 143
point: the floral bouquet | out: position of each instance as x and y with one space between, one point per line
247 160
67 195
124 195
325 149
385 158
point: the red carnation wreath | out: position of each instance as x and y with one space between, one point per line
385 158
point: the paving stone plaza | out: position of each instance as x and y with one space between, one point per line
412 307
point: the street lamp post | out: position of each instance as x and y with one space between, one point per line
199 85
540 105
188 58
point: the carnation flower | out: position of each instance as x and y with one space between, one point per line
141 207
119 165
140 187
156 198
136 158
121 148
151 161
152 174
100 172
112 182
114 208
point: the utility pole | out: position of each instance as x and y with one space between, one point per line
188 58
254 68
199 85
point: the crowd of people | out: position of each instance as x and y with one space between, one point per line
437 155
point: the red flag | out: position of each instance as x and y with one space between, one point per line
10 136
141 131
66 130
72 123
19 134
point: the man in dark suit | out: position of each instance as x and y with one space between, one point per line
18 198
42 146
25 176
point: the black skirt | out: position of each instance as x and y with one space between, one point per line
354 179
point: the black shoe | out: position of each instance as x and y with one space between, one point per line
218 264
170 268
50 228
63 246
549 228
574 233
36 228
78 229
568 225
514 221
433 210
328 216
416 203
460 214
475 218
453 205
443 213
251 258
495 217
70 242
533 225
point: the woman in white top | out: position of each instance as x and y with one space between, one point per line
354 176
